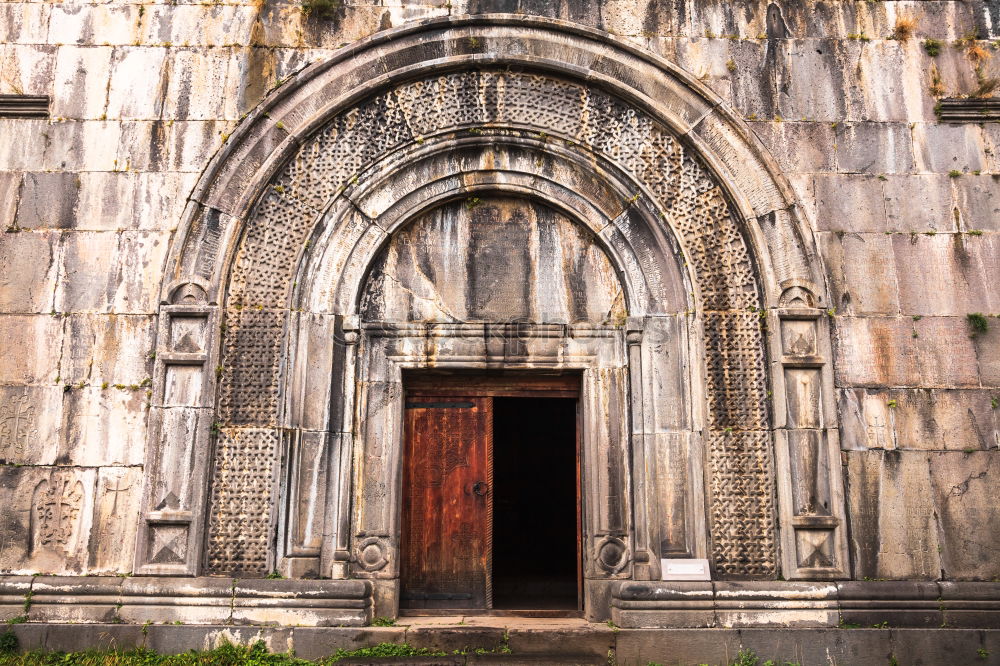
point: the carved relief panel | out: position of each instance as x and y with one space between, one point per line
301 246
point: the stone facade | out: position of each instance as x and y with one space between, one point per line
211 285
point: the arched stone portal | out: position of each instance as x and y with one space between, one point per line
277 394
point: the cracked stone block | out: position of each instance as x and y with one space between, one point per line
965 487
978 201
10 183
988 353
160 199
111 349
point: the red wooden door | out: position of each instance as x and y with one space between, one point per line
448 502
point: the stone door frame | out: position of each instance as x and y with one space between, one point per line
598 353
246 282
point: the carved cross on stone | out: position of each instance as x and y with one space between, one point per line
17 421
117 489
57 507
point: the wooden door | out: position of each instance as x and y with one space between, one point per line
447 502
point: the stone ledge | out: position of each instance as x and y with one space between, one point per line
791 604
969 110
201 600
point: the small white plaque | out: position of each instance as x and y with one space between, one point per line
686 569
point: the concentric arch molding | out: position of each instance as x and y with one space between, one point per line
267 137
654 138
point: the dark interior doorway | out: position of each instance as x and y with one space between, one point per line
536 557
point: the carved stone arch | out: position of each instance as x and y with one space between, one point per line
682 193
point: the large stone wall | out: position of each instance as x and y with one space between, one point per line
904 211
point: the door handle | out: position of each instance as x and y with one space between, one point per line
480 488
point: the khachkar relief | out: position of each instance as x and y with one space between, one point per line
17 427
55 513
490 104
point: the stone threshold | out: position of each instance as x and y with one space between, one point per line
533 642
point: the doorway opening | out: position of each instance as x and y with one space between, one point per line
535 521
491 515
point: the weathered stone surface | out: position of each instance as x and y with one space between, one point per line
30 424
59 598
89 24
946 148
875 148
10 182
87 285
885 603
978 201
71 145
871 352
23 23
963 485
862 269
988 355
106 201
930 419
28 340
118 491
916 646
23 150
167 639
81 76
848 203
958 273
47 200
188 601
894 533
799 147
27 278
476 260
319 642
27 68
45 526
918 203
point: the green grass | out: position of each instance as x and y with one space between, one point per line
224 655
